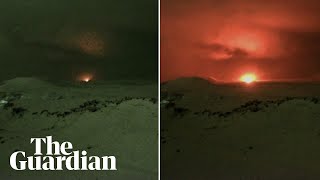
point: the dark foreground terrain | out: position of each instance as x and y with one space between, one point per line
237 131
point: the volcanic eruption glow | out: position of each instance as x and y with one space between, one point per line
85 77
248 78
211 37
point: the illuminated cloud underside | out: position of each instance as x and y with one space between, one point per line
224 39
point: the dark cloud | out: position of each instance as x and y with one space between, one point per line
219 52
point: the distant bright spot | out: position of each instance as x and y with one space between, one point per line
85 78
248 78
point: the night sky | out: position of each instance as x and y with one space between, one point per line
223 39
63 40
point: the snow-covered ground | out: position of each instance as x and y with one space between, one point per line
105 118
239 131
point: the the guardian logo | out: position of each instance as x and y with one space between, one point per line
59 157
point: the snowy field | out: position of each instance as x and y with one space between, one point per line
103 118
238 131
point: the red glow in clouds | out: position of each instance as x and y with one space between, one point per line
254 42
220 39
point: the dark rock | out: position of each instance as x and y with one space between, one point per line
154 100
211 128
8 105
170 105
180 111
18 111
44 111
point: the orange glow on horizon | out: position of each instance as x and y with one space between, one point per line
85 78
248 78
